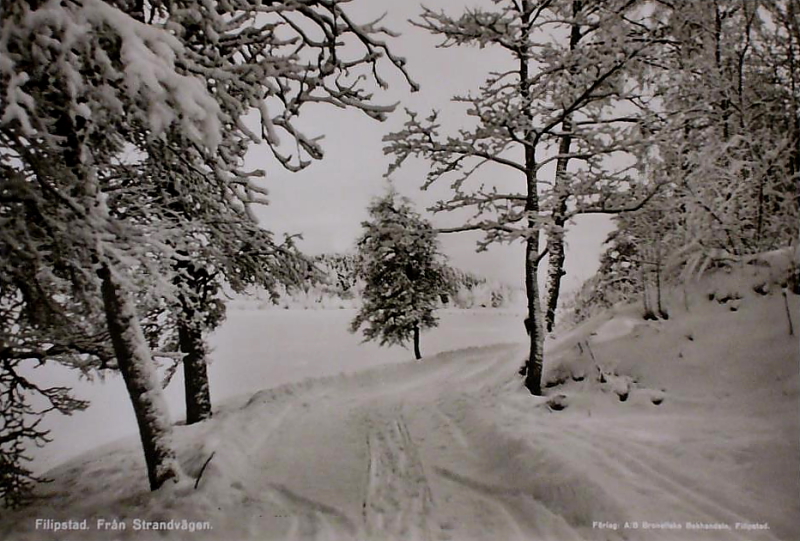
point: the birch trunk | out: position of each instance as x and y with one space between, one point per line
555 237
533 372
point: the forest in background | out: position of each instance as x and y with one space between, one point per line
340 287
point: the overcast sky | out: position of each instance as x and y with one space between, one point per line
327 201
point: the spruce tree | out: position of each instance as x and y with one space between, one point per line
400 263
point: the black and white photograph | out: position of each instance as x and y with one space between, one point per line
400 270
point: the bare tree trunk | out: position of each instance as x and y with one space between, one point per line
136 366
555 237
555 242
646 305
200 287
661 312
724 102
760 213
533 371
195 374
417 353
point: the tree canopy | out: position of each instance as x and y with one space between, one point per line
122 140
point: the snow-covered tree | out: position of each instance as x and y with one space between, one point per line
556 101
611 126
33 332
122 137
403 271
339 271
220 246
729 102
295 55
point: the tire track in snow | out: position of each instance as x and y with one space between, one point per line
498 506
276 511
398 502
260 501
460 513
518 499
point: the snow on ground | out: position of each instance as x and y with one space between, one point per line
258 349
690 421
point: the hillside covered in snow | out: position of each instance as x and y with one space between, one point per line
678 429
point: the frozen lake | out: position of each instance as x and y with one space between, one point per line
259 349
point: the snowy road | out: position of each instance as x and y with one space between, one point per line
398 455
416 453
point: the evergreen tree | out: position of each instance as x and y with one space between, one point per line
402 268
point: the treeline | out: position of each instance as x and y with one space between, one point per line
338 286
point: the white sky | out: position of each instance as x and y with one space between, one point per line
327 201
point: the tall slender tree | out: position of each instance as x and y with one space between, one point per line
553 93
600 134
